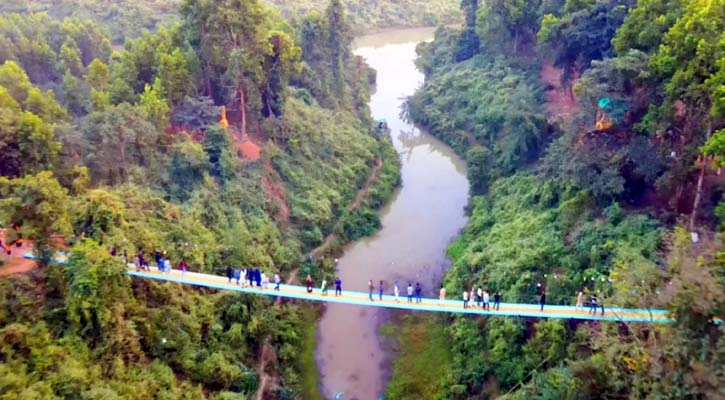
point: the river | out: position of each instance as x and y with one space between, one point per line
419 222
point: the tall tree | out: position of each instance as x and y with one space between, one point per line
339 39
38 204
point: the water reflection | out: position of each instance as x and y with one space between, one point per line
418 224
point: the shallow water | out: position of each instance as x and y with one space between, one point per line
421 219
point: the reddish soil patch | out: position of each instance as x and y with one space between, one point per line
561 103
249 150
275 190
15 263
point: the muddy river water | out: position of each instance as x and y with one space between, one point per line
423 216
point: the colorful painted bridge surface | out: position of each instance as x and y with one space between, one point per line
402 303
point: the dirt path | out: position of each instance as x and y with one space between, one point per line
359 196
266 381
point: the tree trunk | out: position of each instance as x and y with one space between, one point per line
700 179
242 107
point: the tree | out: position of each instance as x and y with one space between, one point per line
468 43
71 58
118 139
279 66
174 76
195 114
155 107
575 39
188 163
27 143
508 23
479 162
646 25
218 146
686 61
74 94
230 38
97 288
97 75
339 39
38 204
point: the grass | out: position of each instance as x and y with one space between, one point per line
423 357
308 365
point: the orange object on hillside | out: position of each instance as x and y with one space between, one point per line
223 121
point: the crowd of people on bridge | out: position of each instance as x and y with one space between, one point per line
475 297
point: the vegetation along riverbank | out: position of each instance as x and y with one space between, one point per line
225 137
591 132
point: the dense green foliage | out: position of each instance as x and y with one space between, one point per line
106 152
126 18
573 205
367 15
130 18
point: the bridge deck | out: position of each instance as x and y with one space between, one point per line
389 301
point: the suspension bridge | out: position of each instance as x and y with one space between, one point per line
402 303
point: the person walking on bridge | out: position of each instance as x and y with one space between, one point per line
277 281
265 281
230 273
479 298
338 286
442 294
593 304
323 287
486 300
465 299
380 290
496 300
309 283
542 299
396 291
250 276
418 293
410 292
237 275
258 277
601 304
370 289
579 301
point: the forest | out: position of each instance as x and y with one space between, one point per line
593 136
130 18
224 136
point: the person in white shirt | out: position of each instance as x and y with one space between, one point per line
486 300
579 301
465 298
410 293
479 297
277 281
265 281
396 290
442 295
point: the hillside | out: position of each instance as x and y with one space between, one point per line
618 195
130 18
142 154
